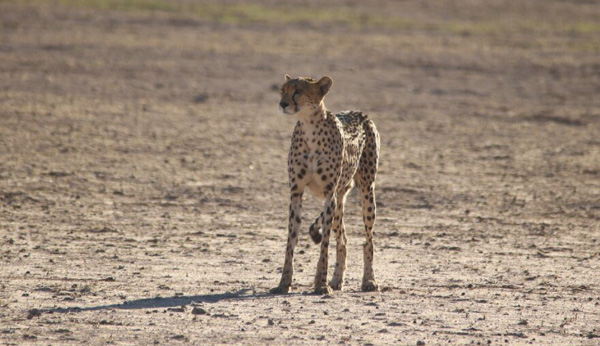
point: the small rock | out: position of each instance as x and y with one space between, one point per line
420 343
396 324
199 311
34 313
200 98
270 322
591 335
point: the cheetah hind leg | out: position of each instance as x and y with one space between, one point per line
315 229
337 281
365 180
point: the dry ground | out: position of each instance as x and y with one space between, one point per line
142 171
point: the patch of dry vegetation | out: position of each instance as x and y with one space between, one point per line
354 17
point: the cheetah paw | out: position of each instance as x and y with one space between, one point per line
370 286
336 285
280 290
322 290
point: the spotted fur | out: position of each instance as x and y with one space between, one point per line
329 154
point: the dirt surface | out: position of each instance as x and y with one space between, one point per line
143 186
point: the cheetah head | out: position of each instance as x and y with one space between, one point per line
302 96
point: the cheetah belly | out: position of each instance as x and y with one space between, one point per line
349 165
314 185
316 190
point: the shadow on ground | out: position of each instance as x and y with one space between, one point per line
168 302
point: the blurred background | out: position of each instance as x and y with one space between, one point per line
149 131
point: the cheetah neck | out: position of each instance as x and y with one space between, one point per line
313 125
312 113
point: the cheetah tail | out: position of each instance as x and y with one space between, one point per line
315 229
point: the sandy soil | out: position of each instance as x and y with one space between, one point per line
143 193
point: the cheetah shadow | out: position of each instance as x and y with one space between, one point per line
169 302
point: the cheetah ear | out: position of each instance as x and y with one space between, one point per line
287 77
325 84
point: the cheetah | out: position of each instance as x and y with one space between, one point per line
329 154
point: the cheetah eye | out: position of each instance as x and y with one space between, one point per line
297 92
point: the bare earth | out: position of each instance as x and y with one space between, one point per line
143 184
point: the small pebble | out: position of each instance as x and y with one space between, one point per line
199 311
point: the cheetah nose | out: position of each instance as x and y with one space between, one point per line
283 104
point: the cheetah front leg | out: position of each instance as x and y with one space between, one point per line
293 229
321 286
